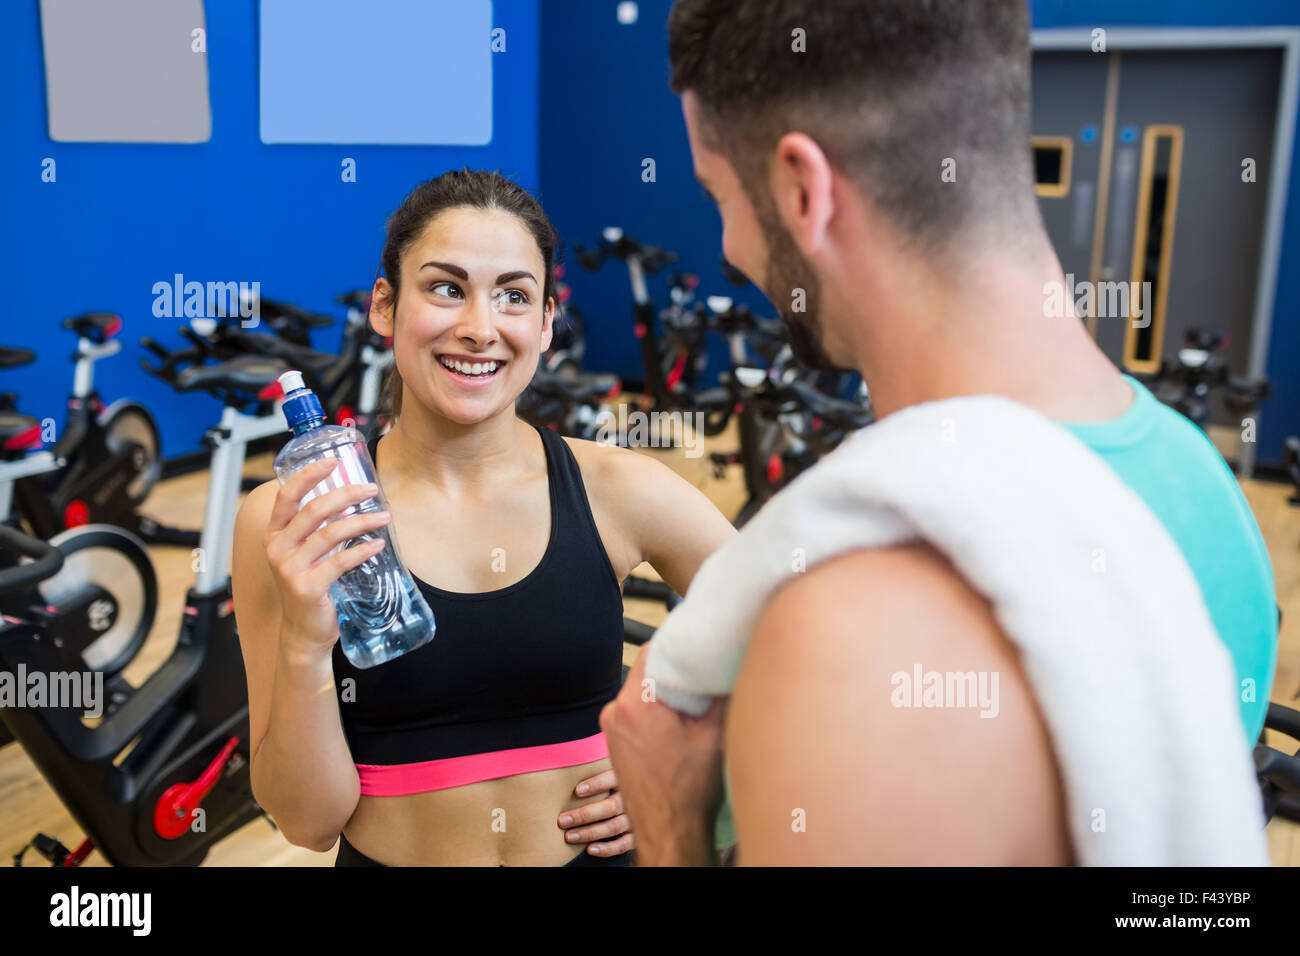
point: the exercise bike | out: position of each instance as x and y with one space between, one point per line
348 384
568 333
563 396
1187 383
572 403
165 773
108 458
69 604
641 261
785 421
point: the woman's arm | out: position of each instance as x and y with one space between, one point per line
301 769
653 514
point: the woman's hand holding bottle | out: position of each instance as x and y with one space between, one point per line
297 540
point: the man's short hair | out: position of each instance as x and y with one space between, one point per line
890 90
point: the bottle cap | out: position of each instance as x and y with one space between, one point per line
291 381
300 402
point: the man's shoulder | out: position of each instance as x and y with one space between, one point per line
898 577
875 604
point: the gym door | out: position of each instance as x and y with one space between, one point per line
1140 161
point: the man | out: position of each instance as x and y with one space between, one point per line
870 163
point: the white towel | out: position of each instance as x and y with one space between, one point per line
1137 690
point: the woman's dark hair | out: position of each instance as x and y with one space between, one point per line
477 189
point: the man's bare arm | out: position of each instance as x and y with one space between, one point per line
828 767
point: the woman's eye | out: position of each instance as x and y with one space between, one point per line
514 297
448 289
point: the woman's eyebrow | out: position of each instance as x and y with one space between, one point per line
457 271
460 273
505 277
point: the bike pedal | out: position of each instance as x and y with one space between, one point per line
50 848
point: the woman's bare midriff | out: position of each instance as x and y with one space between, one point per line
508 822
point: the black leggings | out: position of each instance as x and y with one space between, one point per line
351 856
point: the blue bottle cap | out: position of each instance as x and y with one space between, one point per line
300 402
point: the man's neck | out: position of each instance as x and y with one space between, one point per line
987 332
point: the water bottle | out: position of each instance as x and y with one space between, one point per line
382 614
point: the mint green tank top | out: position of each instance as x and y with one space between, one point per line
1185 482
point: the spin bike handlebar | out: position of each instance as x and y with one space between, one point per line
47 560
287 315
614 243
775 397
837 411
737 324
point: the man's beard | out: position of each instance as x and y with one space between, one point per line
786 271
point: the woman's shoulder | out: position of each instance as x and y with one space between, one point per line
609 462
625 477
253 516
258 503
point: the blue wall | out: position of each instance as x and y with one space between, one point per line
606 106
123 216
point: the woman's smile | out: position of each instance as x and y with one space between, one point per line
470 371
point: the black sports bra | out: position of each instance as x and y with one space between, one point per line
517 676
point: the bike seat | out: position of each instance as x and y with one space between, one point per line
18 433
298 356
248 374
95 325
12 358
838 411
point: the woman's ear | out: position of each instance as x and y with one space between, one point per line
381 308
548 323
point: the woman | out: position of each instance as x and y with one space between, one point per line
483 746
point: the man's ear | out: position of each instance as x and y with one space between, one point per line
548 323
381 307
801 182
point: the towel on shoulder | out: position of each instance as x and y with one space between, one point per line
1134 683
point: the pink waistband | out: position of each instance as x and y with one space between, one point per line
395 780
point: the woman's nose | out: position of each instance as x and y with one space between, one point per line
478 323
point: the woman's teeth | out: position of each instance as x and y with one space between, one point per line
469 368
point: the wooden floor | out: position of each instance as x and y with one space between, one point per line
28 805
